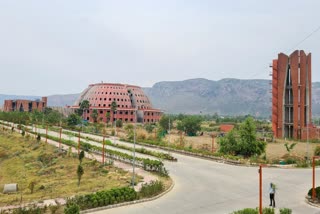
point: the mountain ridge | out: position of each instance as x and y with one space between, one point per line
227 96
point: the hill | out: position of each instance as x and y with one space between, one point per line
225 97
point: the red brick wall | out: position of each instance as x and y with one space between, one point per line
226 127
35 105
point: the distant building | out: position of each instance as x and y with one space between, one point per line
226 127
129 99
25 105
291 97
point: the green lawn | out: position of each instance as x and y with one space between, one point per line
24 161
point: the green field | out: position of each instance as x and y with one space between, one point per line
24 160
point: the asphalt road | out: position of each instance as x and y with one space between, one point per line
203 186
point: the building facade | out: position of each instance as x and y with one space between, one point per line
132 103
291 96
25 105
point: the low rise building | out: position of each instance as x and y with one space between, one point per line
25 105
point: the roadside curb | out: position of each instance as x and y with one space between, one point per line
130 202
309 201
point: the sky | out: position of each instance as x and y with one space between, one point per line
60 47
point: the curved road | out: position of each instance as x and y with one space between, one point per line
203 186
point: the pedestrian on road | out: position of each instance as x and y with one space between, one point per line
272 192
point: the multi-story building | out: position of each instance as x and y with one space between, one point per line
291 96
25 105
132 103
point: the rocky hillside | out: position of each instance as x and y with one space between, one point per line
225 97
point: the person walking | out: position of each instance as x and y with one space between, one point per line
272 192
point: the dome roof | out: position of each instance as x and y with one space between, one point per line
101 95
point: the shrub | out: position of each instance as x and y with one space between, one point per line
254 211
104 198
317 192
119 123
151 189
72 208
317 151
149 127
53 209
246 211
141 136
128 127
285 211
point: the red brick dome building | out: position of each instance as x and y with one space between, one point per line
128 99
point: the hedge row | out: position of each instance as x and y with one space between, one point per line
103 198
160 155
264 211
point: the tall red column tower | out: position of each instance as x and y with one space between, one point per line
291 95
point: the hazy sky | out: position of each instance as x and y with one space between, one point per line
59 47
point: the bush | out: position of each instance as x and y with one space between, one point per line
72 208
285 211
119 123
103 198
151 189
149 127
246 211
317 151
254 211
317 192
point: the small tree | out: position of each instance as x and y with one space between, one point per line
249 145
243 142
228 144
73 120
80 172
81 156
31 186
94 115
38 137
290 147
164 122
119 123
192 125
108 116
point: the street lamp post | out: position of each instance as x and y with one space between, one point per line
169 130
115 124
260 189
134 148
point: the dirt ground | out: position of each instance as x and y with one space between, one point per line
273 151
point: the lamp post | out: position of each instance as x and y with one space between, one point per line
103 149
169 130
134 148
79 143
115 124
260 189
